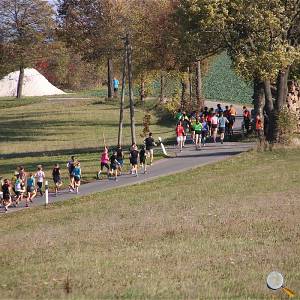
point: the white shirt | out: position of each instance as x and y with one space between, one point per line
40 176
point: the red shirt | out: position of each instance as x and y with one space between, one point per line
179 130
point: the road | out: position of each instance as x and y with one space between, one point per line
189 158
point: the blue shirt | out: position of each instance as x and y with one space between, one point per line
116 83
76 172
222 122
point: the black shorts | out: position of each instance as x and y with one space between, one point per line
40 185
113 167
222 130
204 133
30 189
214 126
197 132
18 193
57 179
6 197
104 165
76 178
133 162
142 160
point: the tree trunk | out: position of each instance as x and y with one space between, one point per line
162 87
20 82
269 107
190 87
131 98
122 99
199 99
282 88
184 91
282 92
259 97
142 87
110 85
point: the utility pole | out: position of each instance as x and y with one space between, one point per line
130 85
123 94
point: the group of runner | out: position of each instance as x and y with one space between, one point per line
204 124
27 185
201 125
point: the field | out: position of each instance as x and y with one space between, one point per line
213 232
48 130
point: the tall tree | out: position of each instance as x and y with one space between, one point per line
95 29
25 30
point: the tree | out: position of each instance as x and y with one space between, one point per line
94 29
25 30
262 38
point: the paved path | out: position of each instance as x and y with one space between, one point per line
189 158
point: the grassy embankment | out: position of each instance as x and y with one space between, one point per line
214 232
40 131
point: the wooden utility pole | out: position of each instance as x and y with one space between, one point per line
110 87
122 95
130 86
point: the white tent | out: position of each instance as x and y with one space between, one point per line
35 84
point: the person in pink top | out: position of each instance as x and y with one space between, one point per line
104 162
214 127
180 135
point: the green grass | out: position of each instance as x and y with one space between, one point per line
222 83
40 131
210 233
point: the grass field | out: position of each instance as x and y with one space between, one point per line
45 131
210 233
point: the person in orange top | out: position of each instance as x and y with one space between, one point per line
180 135
259 127
231 119
247 118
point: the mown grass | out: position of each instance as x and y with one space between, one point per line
210 233
41 131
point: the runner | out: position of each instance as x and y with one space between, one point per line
134 155
116 86
192 128
31 192
77 176
143 159
214 127
22 177
71 166
208 121
180 135
232 115
150 144
104 163
198 130
186 125
19 190
204 131
247 119
259 128
6 197
218 110
114 165
120 159
40 175
222 121
178 115
56 175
